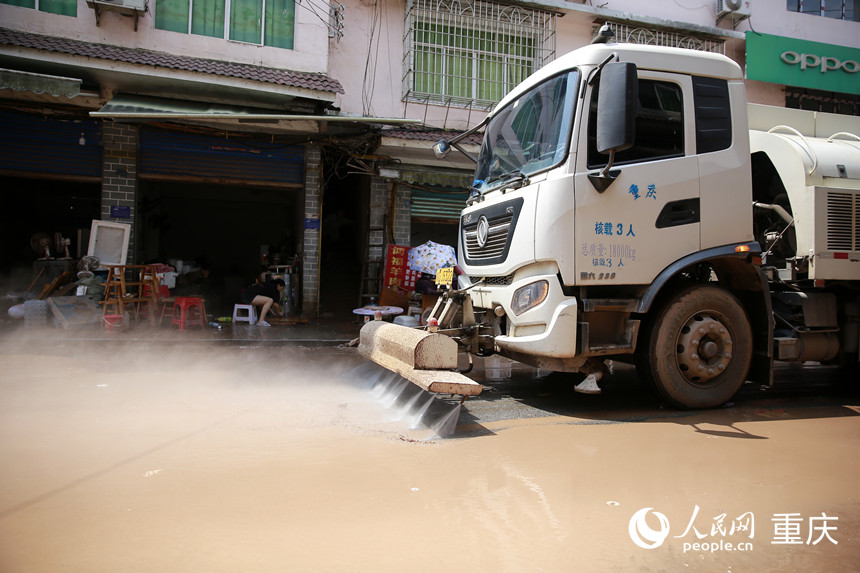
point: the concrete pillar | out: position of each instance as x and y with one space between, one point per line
403 215
311 236
119 175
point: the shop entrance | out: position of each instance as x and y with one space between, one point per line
220 237
46 206
344 244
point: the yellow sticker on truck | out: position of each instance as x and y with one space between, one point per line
445 276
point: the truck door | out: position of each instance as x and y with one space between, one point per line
649 216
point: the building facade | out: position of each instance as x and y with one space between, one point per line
234 134
199 124
445 63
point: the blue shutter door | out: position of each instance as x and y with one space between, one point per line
177 156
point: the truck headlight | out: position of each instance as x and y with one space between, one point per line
529 296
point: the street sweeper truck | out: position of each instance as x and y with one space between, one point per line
628 204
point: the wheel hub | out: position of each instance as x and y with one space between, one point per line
704 348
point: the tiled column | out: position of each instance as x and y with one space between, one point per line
119 175
311 242
403 215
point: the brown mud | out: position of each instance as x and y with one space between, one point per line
249 460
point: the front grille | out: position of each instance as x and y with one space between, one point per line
497 239
502 219
843 221
494 281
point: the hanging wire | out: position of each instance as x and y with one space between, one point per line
330 15
369 82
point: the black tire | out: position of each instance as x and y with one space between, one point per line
698 348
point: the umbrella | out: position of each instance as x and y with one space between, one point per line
430 257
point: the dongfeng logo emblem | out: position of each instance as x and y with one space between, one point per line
483 231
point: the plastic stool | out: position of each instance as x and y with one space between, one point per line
404 320
250 315
185 305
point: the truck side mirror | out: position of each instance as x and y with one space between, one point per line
617 106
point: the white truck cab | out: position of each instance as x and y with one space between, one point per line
553 234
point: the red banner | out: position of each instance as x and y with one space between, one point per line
397 272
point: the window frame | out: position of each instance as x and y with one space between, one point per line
463 53
70 5
224 18
566 113
813 8
595 160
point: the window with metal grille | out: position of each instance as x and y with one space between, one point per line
816 100
839 9
632 34
471 53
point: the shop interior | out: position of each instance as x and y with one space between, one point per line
220 238
35 210
203 240
206 241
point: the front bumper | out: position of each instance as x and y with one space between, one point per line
548 330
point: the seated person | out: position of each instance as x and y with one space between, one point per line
426 284
264 295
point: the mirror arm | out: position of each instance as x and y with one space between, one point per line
604 178
463 151
609 163
443 146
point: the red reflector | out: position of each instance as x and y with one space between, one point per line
819 283
840 255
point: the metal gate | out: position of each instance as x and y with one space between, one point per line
66 148
179 156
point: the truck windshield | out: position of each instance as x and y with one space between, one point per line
530 134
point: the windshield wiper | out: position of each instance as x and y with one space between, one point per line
512 180
475 192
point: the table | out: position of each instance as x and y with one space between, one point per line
371 310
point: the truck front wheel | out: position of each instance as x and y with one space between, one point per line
698 348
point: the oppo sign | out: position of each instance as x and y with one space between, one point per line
826 63
804 64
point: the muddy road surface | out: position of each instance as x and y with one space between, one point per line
261 459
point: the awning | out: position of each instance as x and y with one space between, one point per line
132 107
39 83
447 179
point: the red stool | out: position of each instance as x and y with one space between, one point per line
186 306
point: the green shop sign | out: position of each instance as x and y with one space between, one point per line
803 63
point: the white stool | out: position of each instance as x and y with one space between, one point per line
404 320
249 315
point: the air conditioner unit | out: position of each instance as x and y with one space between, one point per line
132 8
128 4
737 9
134 4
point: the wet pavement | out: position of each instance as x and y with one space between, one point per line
326 331
279 449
